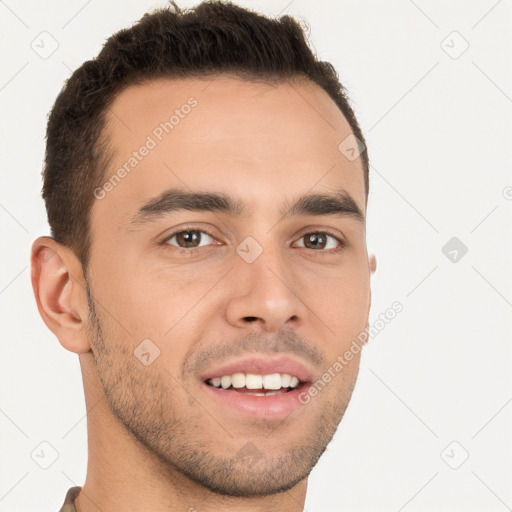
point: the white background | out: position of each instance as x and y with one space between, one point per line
439 134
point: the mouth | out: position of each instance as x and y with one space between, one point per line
259 387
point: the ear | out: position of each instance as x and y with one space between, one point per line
372 263
59 288
372 267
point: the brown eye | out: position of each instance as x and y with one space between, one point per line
189 238
314 241
320 241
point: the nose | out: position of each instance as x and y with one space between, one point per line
266 295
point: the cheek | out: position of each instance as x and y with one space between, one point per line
157 301
344 304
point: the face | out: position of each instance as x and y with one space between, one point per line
225 296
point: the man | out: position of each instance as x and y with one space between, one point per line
206 184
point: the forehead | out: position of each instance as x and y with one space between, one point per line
254 140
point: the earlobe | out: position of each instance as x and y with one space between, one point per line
59 289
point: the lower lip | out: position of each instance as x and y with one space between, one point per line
268 407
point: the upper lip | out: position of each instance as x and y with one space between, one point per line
262 365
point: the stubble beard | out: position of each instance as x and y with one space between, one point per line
143 405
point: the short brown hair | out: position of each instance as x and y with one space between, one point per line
212 37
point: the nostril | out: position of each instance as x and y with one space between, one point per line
251 318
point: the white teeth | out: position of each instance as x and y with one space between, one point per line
238 380
226 381
273 381
285 380
253 381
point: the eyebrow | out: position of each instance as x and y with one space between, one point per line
339 204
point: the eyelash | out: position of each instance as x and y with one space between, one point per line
194 250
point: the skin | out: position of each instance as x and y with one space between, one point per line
156 442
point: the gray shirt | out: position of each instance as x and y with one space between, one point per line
69 501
